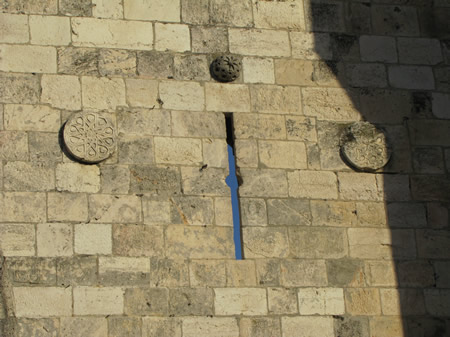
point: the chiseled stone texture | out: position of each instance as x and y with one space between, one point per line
42 301
54 239
236 301
33 59
73 177
307 326
94 326
14 28
205 326
98 301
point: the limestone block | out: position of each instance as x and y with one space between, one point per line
75 207
418 273
146 301
402 302
207 182
137 240
153 10
199 242
279 14
263 183
115 179
386 326
182 95
42 301
411 77
351 326
173 37
268 272
386 106
262 327
31 118
258 70
366 75
207 326
395 187
241 273
92 326
441 103
236 13
265 242
11 204
30 270
204 273
31 7
321 301
74 177
114 208
156 211
438 215
411 215
93 239
17 240
14 28
169 273
191 302
253 212
294 72
191 68
381 273
333 213
311 46
117 63
246 153
395 20
259 42
98 301
187 151
442 270
368 243
144 122
430 132
198 124
303 273
50 30
358 186
282 301
45 327
18 88
75 8
102 93
301 128
259 126
161 327
26 176
312 184
372 214
433 243
280 154
54 239
227 97
307 326
192 211
77 270
209 39
27 59
107 9
378 49
419 51
223 212
195 11
155 64
289 212
215 153
90 32
78 61
136 150
363 301
44 147
240 301
346 272
437 302
275 99
124 326
441 75
61 91
162 181
317 242
142 93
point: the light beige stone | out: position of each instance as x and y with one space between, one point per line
27 176
246 153
205 327
258 70
260 327
50 30
27 59
74 177
14 28
97 301
103 93
240 301
279 14
215 153
321 301
209 273
61 91
363 301
90 32
108 9
241 273
17 240
161 327
358 186
42 301
263 183
11 204
259 42
173 37
156 212
208 125
54 239
142 93
152 10
265 242
317 242
307 327
223 211
312 184
303 273
113 62
234 13
282 301
263 126
371 214
75 206
209 182
105 208
187 151
279 154
294 72
226 97
144 122
386 327
80 326
13 145
381 273
276 99
182 95
93 239
333 213
311 46
123 265
31 118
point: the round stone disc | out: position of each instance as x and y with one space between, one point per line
365 147
90 137
226 68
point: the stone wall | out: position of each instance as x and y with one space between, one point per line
141 245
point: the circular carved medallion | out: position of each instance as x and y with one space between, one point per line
365 147
90 137
226 68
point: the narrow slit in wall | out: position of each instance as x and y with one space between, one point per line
232 182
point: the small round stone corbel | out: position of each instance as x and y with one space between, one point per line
89 137
226 68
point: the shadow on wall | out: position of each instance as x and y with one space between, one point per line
392 58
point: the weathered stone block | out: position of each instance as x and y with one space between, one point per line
50 30
74 177
378 49
103 93
366 75
351 326
93 239
77 270
437 302
206 273
303 273
75 8
75 207
261 327
325 16
14 28
308 46
294 72
191 302
280 154
191 68
259 126
88 32
225 97
117 63
173 37
207 326
109 10
25 176
215 153
195 11
192 211
372 214
11 204
30 270
155 64
358 186
279 15
411 215
346 272
240 273
31 118
282 301
182 96
289 212
92 326
156 211
321 301
78 61
42 301
275 99
31 7
209 182
259 42
144 122
161 327
124 327
17 240
186 151
419 51
386 106
268 272
381 273
395 20
137 240
136 150
168 272
433 244
125 271
152 10
34 59
142 93
386 326
18 88
442 272
409 77
317 242
312 184
115 179
246 153
237 301
155 180
263 242
235 13
208 39
440 105
114 208
98 301
333 213
146 301
363 301
263 183
301 128
44 147
402 302
42 327
307 326
258 70
54 239
198 124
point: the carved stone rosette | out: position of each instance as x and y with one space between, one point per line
226 68
365 147
90 137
